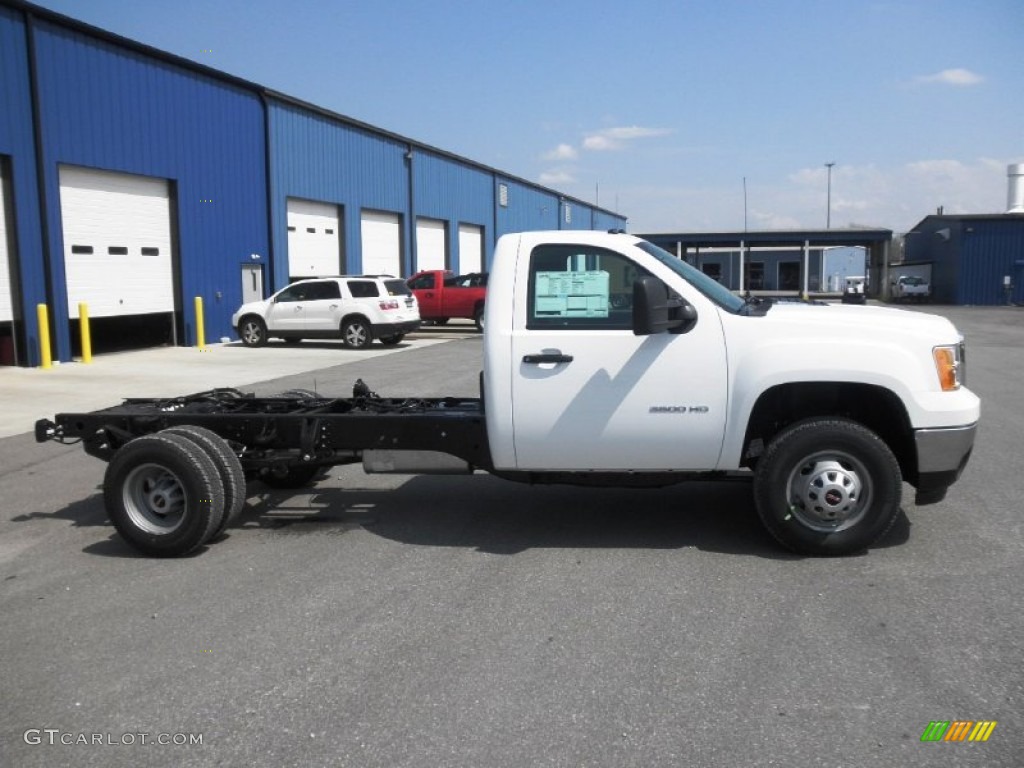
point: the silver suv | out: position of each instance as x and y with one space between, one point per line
356 308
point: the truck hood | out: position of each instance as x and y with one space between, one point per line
848 321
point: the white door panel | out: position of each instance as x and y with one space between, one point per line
6 305
314 244
471 245
431 244
382 243
117 242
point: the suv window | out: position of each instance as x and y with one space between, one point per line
577 287
295 292
326 289
363 289
397 288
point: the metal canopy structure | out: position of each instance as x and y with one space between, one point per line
874 241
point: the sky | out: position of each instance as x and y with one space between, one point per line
705 115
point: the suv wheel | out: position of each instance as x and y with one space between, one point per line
356 333
252 331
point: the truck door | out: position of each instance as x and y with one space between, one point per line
428 293
589 394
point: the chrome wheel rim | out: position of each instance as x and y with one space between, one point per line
355 335
829 491
251 333
154 499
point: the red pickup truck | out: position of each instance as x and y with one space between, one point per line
443 295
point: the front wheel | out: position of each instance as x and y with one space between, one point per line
827 487
252 331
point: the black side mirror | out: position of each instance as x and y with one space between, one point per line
656 311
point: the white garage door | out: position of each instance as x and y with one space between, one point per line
471 248
6 307
314 243
431 244
382 243
117 242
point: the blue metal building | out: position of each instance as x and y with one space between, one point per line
134 180
975 259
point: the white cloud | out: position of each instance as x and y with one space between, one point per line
616 138
957 77
562 152
557 176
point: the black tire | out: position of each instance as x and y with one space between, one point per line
297 476
390 341
164 495
478 318
440 320
228 465
252 331
827 487
292 340
356 333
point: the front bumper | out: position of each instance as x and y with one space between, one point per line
942 455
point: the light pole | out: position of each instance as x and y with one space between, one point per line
828 207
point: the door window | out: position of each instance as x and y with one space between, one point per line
579 287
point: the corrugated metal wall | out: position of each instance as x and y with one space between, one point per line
102 106
317 158
456 193
526 208
991 250
16 142
233 154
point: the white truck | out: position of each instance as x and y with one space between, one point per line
607 361
910 288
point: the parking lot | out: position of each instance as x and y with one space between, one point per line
467 621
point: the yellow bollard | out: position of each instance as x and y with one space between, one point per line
200 330
43 318
83 330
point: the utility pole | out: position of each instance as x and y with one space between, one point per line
828 207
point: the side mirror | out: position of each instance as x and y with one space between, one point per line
656 311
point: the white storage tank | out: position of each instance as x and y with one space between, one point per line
1015 193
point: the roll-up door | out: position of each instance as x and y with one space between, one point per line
382 243
471 248
431 244
117 242
314 242
6 305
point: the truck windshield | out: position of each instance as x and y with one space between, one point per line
710 287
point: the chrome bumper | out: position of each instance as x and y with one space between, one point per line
942 455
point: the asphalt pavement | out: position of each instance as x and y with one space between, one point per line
466 621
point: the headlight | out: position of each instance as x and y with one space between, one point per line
948 365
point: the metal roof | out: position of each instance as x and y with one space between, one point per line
766 238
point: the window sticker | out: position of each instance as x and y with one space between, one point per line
571 294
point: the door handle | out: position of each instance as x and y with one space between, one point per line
547 357
334 306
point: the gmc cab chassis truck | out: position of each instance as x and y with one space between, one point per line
607 361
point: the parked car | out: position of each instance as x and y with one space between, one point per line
355 308
907 287
443 295
853 291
